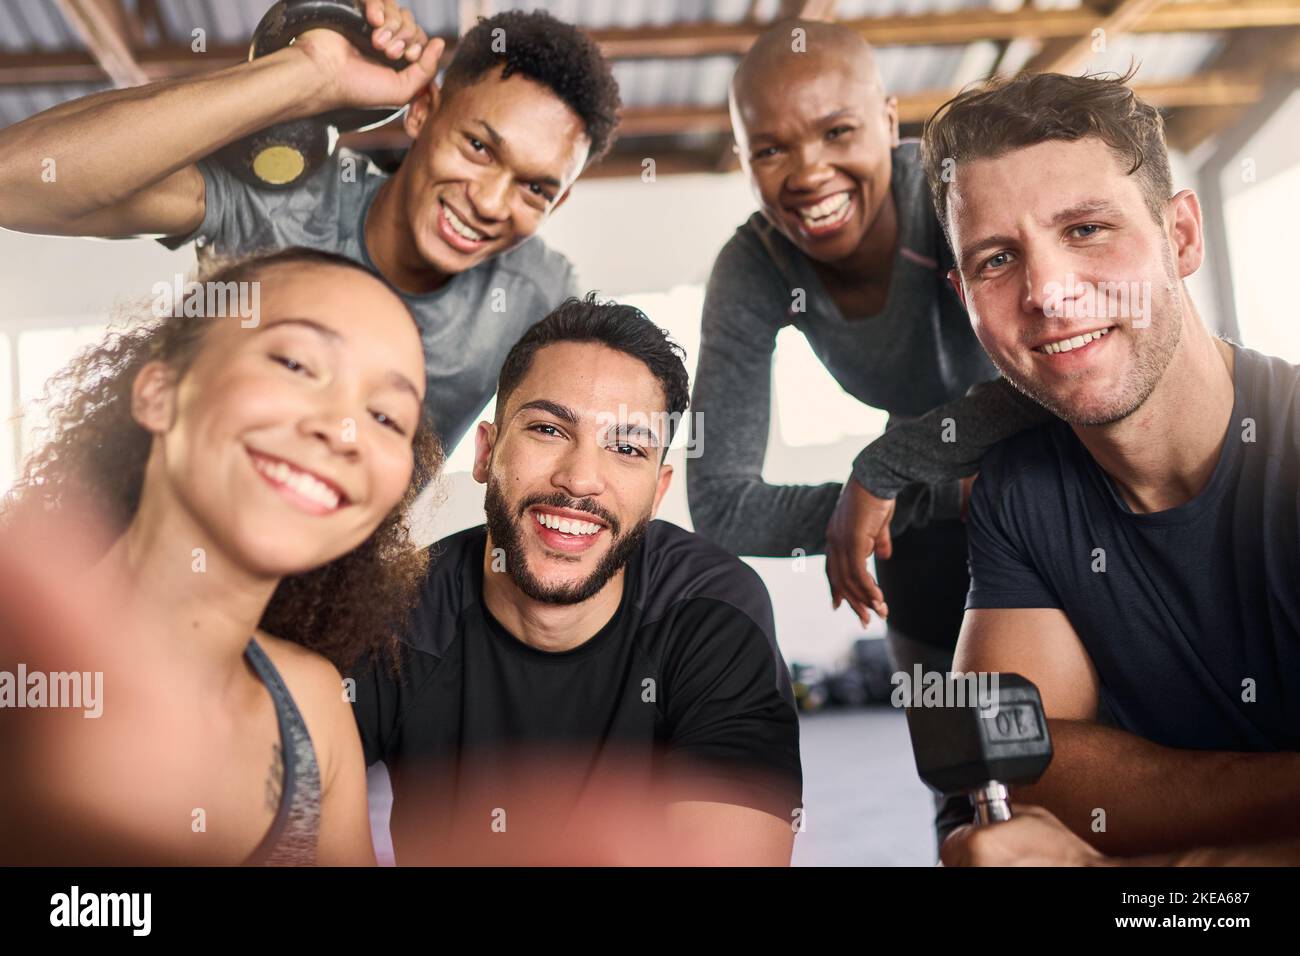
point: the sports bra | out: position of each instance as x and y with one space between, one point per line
292 839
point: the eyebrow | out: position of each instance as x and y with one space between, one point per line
403 383
637 431
822 121
395 377
324 330
1082 210
1089 207
499 142
563 412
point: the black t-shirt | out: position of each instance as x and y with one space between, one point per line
684 681
1194 623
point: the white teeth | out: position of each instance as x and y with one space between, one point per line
460 228
565 525
1065 345
830 210
301 482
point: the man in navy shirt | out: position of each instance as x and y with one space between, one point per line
1139 558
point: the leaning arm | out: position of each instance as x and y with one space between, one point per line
940 448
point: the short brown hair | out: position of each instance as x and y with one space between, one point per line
1004 114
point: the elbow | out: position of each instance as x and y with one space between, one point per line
706 500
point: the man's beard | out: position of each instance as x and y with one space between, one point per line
1149 363
506 535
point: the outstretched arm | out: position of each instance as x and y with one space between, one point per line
122 163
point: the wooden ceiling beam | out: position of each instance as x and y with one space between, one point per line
1065 54
958 27
103 28
807 9
1267 55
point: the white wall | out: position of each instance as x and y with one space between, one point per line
1261 190
49 278
625 235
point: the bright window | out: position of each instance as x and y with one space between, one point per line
1263 263
41 353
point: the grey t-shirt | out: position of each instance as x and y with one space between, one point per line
918 352
468 325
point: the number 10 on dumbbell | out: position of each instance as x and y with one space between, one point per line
981 747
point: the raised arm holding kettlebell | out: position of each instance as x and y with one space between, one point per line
122 163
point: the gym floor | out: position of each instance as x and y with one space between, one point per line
864 805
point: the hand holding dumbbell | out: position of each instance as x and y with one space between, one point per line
1034 838
373 59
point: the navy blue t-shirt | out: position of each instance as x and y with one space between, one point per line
1198 608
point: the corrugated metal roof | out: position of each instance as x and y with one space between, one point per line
229 22
31 26
699 82
910 69
233 21
38 26
605 14
853 9
1161 57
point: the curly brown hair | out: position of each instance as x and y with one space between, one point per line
94 450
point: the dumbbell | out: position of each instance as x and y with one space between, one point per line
964 749
281 156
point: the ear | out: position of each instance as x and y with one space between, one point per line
153 398
1183 220
424 105
485 437
665 479
891 114
954 279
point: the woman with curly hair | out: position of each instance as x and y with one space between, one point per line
255 482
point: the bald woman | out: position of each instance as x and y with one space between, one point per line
846 248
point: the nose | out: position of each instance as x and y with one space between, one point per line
1048 285
578 473
489 195
337 424
810 172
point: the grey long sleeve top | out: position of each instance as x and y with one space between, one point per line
917 353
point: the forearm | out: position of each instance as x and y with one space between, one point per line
1158 799
106 147
747 516
947 443
1277 853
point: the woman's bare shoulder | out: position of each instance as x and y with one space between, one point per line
317 688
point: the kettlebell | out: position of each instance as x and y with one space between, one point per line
282 156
